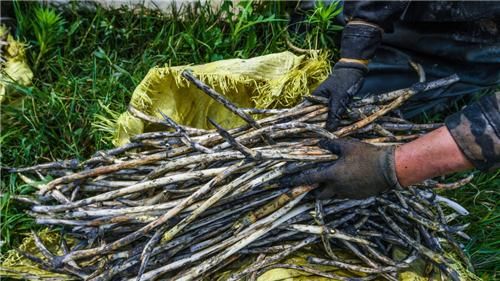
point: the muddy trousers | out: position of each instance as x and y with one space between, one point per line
390 70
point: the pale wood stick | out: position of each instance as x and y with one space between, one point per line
219 173
264 111
330 232
385 109
128 190
392 139
170 233
101 170
239 241
153 120
422 87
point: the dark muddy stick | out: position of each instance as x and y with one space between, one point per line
185 137
272 259
107 156
225 102
65 164
52 258
319 217
379 256
449 239
413 216
234 143
153 120
49 267
367 260
238 242
148 250
220 99
436 258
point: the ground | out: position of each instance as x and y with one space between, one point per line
86 64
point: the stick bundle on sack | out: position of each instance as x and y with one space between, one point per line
186 203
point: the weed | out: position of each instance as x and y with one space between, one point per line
322 20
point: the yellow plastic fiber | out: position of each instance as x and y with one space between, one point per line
16 266
271 81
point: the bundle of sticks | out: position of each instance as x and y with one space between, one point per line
186 203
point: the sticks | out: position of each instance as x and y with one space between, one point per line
184 204
219 98
222 100
419 87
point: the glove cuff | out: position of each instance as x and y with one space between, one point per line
389 168
359 41
354 65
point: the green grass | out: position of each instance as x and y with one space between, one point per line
88 62
481 198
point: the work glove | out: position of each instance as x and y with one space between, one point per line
362 170
339 88
358 45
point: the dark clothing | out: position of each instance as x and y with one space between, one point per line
389 70
477 131
472 16
459 37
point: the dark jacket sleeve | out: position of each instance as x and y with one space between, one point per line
360 40
381 13
476 129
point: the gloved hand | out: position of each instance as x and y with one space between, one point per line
359 42
339 88
362 170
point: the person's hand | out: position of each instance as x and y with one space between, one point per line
339 88
359 42
362 170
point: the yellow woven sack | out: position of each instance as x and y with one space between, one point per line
270 81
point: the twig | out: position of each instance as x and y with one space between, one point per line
222 100
234 143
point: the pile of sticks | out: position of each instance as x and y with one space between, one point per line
186 203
